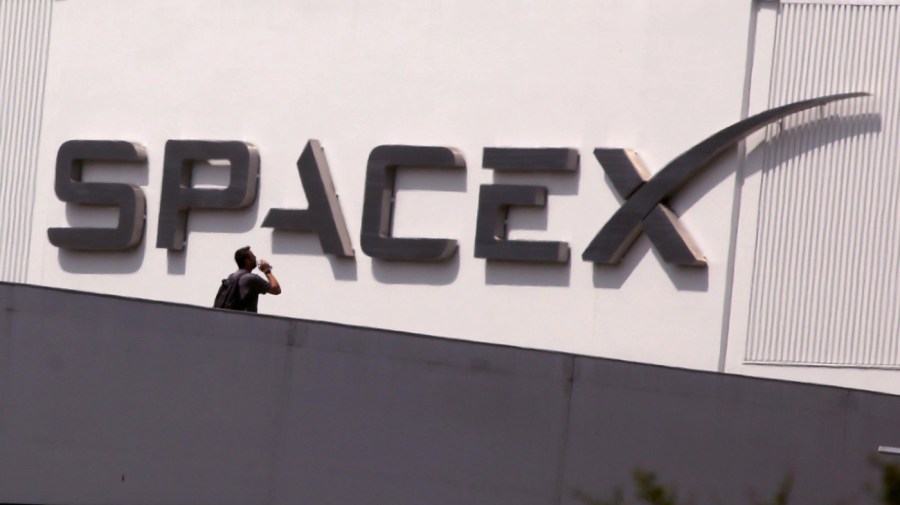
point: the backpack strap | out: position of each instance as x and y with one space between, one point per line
239 300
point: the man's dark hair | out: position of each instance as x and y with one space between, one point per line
241 255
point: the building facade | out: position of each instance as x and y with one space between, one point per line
508 135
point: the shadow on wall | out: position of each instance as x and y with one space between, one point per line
235 221
436 274
123 262
800 140
307 244
505 273
93 262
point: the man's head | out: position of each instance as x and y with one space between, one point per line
245 258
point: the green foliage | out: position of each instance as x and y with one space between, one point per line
617 499
783 495
650 491
889 494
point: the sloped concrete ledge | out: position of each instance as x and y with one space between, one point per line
107 400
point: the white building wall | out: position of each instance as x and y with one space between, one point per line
655 76
819 219
826 263
24 33
812 238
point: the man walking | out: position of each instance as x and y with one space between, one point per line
250 285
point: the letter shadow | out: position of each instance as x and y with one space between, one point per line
557 183
222 221
683 278
427 273
102 262
514 273
307 244
797 141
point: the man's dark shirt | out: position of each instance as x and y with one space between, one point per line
251 286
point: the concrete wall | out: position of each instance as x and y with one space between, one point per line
106 400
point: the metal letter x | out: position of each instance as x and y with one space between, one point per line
661 225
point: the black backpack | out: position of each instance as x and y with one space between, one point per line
229 295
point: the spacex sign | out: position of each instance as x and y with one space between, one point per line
644 209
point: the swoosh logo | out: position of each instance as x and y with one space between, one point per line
644 210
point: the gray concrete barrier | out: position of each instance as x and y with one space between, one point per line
107 400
